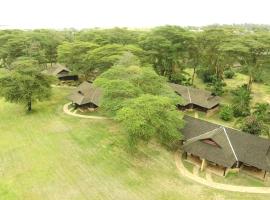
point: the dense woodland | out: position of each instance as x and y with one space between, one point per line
163 53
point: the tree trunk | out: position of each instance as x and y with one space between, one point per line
250 81
29 106
193 75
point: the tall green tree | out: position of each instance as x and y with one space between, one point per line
123 83
241 101
104 57
212 55
251 49
151 117
74 55
25 86
166 47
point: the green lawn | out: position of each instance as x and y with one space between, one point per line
47 155
240 179
260 91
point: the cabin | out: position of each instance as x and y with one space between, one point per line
223 149
197 99
61 72
86 96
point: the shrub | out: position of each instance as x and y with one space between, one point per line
206 75
252 125
241 101
229 74
258 76
216 86
226 113
180 78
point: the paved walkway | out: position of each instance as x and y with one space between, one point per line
67 111
219 186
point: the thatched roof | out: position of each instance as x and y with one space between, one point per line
196 96
86 93
231 145
56 69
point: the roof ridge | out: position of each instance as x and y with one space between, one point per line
189 95
225 132
212 123
202 134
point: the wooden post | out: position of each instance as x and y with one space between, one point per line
225 170
264 174
184 155
203 165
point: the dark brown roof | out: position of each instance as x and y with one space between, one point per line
86 93
56 69
233 145
196 96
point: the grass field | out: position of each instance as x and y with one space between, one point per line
260 91
47 155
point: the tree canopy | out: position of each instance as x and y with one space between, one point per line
151 117
25 85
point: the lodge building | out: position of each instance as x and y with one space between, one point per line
196 99
225 149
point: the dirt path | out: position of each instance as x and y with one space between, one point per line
67 111
219 186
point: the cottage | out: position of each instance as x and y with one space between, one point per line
226 148
61 72
86 95
194 98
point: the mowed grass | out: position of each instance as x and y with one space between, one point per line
47 155
260 91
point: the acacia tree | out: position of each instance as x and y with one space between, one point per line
123 83
25 86
194 52
116 35
151 117
104 57
212 55
166 48
251 49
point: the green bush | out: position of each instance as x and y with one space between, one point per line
252 125
241 101
206 75
229 74
180 78
226 113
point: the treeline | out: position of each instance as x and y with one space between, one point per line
210 51
213 53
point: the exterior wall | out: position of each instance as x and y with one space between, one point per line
212 111
191 107
86 106
205 165
255 172
68 78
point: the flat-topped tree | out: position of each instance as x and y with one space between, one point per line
25 86
151 117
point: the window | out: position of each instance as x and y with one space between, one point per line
210 141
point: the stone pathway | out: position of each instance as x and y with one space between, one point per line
220 186
67 111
